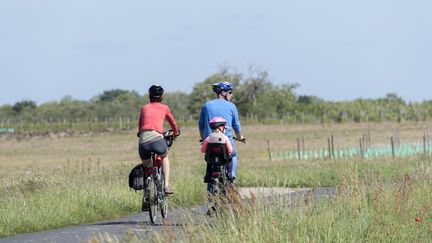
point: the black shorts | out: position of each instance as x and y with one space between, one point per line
158 146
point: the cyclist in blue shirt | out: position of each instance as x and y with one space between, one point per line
222 107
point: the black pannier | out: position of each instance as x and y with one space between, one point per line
136 177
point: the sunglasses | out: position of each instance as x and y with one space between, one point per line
230 92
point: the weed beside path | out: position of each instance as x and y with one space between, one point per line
54 182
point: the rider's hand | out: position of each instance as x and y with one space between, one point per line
242 139
177 133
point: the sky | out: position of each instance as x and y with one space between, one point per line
336 49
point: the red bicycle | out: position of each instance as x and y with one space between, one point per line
154 197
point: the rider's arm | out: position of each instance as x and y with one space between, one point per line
236 124
204 146
172 122
140 122
201 123
239 135
229 145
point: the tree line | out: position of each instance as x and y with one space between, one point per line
258 99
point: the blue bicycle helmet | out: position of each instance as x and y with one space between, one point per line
222 86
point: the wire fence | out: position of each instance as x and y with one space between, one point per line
365 149
94 124
403 150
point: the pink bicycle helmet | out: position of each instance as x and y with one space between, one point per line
217 121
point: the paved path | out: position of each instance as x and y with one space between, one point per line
139 224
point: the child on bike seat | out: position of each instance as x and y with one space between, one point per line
216 137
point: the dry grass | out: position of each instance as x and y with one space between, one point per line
283 137
42 155
41 162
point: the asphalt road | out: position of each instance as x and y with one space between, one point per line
139 225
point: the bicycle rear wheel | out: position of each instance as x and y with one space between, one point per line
213 197
153 199
163 197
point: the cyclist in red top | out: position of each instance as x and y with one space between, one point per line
150 128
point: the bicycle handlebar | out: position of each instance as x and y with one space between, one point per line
169 137
243 140
240 140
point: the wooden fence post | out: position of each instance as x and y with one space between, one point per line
329 147
369 137
397 138
298 149
269 149
393 147
332 145
426 142
303 147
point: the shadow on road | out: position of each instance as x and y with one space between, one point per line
139 223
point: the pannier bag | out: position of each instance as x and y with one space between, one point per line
136 177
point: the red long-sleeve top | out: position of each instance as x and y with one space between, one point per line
152 116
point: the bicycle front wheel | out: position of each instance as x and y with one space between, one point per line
153 200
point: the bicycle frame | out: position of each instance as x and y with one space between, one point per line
220 188
219 180
217 188
154 194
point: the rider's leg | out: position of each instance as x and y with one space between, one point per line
207 180
232 167
166 171
147 167
207 174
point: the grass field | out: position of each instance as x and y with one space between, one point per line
49 182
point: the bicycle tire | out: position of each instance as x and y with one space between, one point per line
153 199
144 206
163 196
213 197
224 183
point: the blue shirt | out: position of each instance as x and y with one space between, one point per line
222 108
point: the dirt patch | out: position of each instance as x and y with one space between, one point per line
248 192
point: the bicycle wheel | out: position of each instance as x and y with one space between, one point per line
224 182
213 197
153 199
163 196
144 202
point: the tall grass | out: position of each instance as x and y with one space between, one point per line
368 209
52 182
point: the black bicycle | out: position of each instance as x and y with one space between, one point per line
220 187
154 197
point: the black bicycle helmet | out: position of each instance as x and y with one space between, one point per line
155 91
